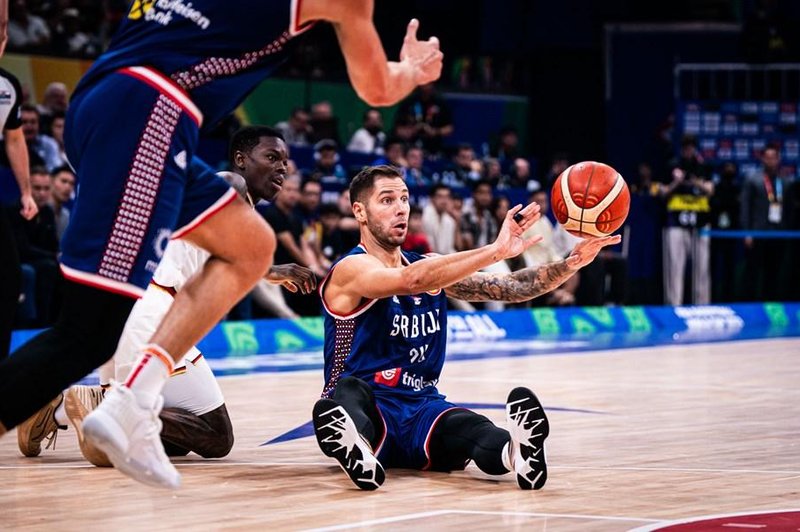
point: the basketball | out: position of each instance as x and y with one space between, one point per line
590 199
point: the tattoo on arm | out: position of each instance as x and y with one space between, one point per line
513 287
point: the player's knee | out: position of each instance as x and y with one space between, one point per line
221 443
349 386
255 254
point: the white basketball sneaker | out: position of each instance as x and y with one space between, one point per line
528 426
130 436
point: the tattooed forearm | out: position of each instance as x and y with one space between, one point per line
513 287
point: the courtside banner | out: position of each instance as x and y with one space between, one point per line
293 344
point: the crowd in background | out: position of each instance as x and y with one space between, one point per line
459 198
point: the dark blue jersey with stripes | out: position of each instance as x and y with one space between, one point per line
217 51
397 343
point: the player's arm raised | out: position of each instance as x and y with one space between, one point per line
529 283
365 276
376 80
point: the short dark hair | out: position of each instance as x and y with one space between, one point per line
329 208
481 182
363 182
62 168
415 209
39 170
247 138
30 108
437 187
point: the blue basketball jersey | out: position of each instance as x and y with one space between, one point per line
397 344
216 51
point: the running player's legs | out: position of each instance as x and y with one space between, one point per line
194 417
130 191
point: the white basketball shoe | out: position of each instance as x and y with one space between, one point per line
130 436
528 426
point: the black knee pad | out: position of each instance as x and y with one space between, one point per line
220 422
353 386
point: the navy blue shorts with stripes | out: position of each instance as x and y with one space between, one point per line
131 138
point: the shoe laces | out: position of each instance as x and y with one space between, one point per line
51 438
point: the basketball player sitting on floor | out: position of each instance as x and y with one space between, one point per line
385 314
194 416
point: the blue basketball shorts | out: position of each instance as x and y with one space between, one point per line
409 421
131 139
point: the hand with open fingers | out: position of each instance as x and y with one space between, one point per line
510 241
424 57
586 250
293 277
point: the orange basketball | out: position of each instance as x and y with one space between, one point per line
590 199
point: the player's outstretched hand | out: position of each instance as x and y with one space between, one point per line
586 250
424 57
509 241
29 207
293 277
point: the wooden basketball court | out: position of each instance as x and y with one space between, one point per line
638 436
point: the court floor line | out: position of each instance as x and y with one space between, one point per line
211 463
422 515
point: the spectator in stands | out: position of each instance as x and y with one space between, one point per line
42 149
394 155
431 116
688 213
548 250
327 168
324 125
493 172
348 223
763 208
559 163
327 242
307 209
288 230
465 169
478 226
26 31
439 225
54 102
521 176
506 150
416 239
37 244
57 132
71 40
62 190
416 173
405 129
725 209
296 130
370 137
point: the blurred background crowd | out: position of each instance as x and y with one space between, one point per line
712 164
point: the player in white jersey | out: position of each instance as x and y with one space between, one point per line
194 416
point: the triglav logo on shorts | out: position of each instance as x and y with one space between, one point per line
161 11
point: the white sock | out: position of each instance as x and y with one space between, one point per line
60 415
149 375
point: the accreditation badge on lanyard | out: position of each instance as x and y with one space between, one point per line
775 197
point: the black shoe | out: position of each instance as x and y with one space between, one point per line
529 427
338 438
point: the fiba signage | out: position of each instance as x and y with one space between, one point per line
476 326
